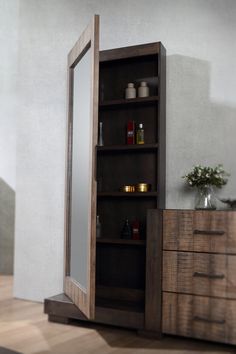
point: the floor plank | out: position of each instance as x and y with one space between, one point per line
25 329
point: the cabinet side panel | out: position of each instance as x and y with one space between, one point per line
162 128
153 271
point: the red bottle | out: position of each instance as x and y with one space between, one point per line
135 230
130 132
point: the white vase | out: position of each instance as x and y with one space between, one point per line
130 91
143 90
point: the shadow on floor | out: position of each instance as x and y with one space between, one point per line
8 351
115 340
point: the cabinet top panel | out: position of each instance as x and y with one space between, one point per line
132 51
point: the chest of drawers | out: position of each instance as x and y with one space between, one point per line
199 274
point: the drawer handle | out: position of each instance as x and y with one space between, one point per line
206 275
209 232
202 319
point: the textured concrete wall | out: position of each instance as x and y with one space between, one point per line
8 88
7 217
199 37
8 118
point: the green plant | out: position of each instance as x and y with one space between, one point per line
205 175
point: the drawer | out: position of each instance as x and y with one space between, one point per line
199 317
199 274
201 231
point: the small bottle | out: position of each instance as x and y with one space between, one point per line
98 227
136 230
130 91
126 232
140 134
100 138
130 136
143 90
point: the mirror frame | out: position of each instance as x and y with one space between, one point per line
84 300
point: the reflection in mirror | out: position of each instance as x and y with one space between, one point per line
81 179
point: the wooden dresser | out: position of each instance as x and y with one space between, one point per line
199 274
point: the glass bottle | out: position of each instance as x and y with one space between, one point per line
100 136
126 232
98 227
140 134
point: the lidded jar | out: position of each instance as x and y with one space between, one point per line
130 91
143 90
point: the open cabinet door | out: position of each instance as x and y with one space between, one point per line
80 200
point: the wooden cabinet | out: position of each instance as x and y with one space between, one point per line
199 282
124 283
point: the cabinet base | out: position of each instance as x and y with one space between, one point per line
58 319
60 309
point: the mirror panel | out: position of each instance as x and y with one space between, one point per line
81 172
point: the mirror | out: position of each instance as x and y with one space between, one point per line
81 170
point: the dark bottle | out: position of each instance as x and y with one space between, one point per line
126 232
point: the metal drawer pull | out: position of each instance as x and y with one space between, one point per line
197 318
209 232
206 275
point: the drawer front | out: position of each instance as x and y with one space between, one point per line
199 317
200 231
199 274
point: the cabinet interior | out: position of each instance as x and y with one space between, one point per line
120 264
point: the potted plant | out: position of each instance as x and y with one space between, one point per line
205 178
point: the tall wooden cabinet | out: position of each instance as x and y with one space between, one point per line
126 280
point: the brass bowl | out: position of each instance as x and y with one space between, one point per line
128 189
143 187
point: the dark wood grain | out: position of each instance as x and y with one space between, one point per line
120 241
132 101
128 195
161 128
125 294
128 272
115 122
153 292
115 75
120 266
114 210
199 262
89 39
199 274
130 52
199 317
126 148
200 231
62 306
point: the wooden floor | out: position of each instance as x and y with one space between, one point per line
25 329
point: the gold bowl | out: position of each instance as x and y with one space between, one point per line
143 187
128 189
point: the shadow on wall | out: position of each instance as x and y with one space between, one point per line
7 223
199 130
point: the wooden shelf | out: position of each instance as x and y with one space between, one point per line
119 305
135 147
127 102
120 241
127 195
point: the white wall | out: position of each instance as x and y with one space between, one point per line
8 119
8 98
199 36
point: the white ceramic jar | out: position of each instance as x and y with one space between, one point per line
130 91
143 90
